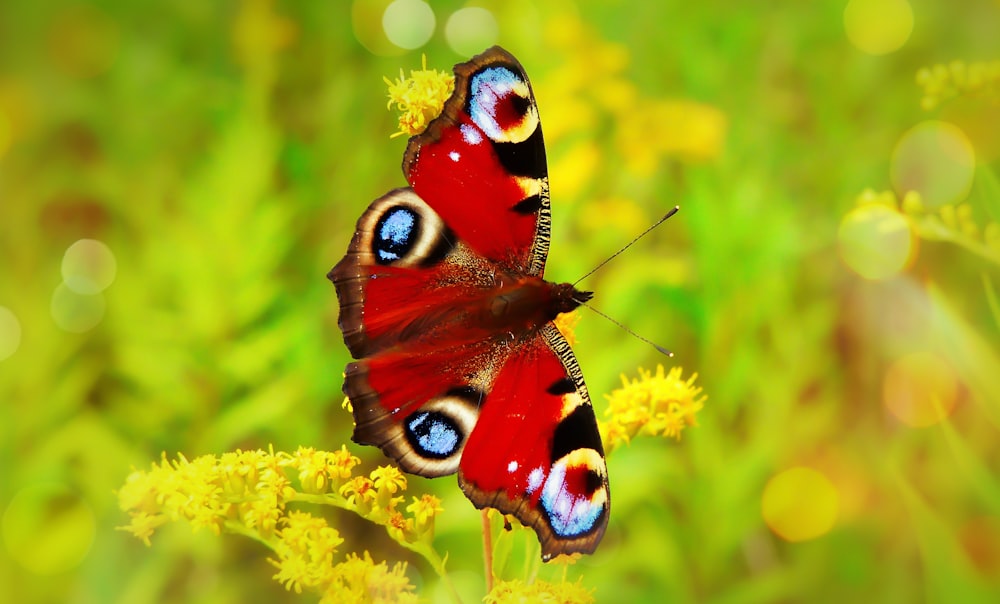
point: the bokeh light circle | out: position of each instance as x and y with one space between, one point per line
469 30
878 27
875 241
408 24
934 159
10 333
88 267
799 504
48 528
366 22
76 313
920 389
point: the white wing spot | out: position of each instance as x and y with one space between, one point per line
535 479
471 135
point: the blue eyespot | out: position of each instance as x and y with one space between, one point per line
570 513
433 434
395 234
497 100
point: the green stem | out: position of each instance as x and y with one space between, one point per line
933 229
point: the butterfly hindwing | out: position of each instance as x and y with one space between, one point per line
536 452
458 367
408 296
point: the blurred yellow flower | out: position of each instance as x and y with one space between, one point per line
655 404
542 592
942 83
259 32
954 224
566 324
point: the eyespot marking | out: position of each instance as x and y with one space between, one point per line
500 104
396 232
433 434
575 494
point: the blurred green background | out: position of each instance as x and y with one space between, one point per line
214 157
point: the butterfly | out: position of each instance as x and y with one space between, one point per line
459 367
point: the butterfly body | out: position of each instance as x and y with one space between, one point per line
444 306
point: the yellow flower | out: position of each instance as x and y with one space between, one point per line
566 324
593 87
143 525
942 82
656 404
400 527
305 551
542 592
312 467
247 492
425 508
360 492
360 580
954 224
387 480
419 98
342 462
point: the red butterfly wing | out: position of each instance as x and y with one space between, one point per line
536 452
481 164
459 367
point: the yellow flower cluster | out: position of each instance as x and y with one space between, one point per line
655 404
954 224
246 492
942 82
543 592
419 98
593 88
360 581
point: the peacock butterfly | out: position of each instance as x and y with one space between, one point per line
459 367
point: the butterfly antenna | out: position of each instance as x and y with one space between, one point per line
658 348
628 245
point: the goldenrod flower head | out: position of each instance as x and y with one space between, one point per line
359 491
954 224
400 527
656 404
942 82
359 580
341 463
425 508
543 592
247 492
306 548
388 480
419 98
305 551
566 324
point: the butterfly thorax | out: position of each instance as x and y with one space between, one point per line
525 303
